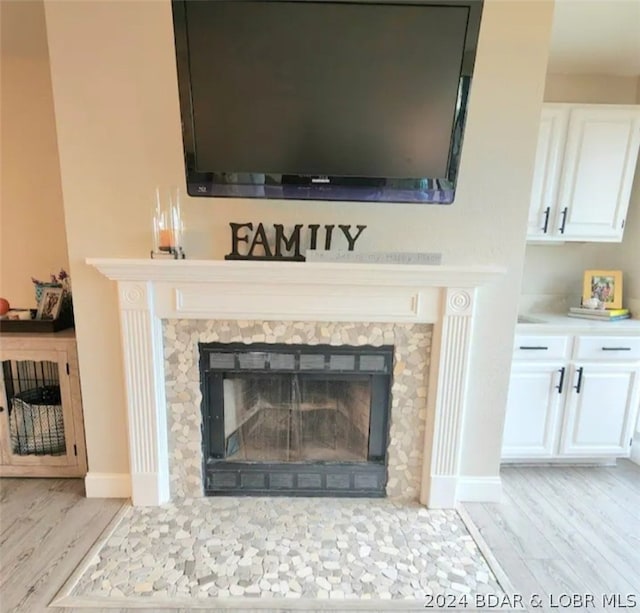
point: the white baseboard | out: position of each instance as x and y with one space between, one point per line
602 461
635 450
446 491
479 489
149 489
442 492
107 485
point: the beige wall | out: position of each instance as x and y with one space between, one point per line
32 233
591 89
114 82
553 273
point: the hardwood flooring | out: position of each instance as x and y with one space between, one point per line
567 530
46 528
559 530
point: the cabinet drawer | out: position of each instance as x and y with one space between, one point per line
540 347
605 348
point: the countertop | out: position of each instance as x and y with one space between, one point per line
555 323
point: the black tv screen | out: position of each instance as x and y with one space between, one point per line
324 99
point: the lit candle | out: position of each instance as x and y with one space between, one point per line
167 240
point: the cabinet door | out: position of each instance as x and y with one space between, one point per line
546 174
536 393
600 409
37 430
597 173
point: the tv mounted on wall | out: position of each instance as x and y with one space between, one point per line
359 100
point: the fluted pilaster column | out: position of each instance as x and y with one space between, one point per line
451 368
146 405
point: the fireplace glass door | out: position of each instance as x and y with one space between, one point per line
295 418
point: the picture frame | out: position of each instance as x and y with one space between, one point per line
50 303
605 286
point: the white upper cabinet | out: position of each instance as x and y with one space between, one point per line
584 170
546 173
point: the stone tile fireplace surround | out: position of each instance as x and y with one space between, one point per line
409 390
294 302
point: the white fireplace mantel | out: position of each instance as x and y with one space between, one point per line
152 290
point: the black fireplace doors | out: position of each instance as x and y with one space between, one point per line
295 419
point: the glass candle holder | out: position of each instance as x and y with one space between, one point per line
167 224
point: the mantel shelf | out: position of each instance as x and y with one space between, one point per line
299 273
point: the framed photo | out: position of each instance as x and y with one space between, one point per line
50 303
605 286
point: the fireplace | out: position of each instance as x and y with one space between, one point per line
287 419
410 345
208 301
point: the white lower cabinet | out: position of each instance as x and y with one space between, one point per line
572 407
599 410
533 411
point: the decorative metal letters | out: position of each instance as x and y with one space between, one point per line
278 245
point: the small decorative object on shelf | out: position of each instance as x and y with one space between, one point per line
601 297
62 306
50 303
251 241
167 225
603 286
17 315
54 312
599 314
62 280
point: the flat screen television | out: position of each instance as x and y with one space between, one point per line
323 99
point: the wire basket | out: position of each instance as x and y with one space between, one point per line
36 422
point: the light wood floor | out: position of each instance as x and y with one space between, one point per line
46 528
559 530
566 530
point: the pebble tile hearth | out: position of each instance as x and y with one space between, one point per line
291 548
